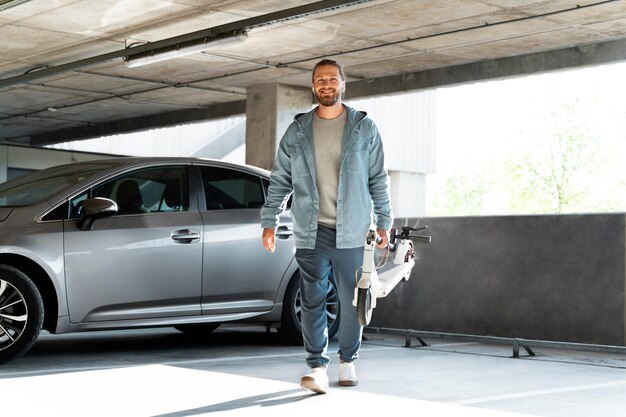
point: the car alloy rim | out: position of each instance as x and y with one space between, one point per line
332 306
13 314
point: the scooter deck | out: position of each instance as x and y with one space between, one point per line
389 278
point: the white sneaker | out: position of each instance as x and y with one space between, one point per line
347 374
316 381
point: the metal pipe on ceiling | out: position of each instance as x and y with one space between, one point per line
245 24
7 4
266 20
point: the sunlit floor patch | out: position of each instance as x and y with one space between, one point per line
163 390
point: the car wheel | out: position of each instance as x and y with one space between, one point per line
291 327
198 330
21 313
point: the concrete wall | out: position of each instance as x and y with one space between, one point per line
558 278
25 157
407 125
408 193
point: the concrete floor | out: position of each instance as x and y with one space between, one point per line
242 371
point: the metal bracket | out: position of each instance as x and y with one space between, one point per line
409 335
517 344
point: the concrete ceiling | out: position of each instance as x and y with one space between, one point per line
63 74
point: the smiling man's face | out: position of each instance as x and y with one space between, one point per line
328 85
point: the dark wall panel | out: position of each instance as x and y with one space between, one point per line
558 278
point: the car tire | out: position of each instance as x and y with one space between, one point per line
21 313
291 327
197 330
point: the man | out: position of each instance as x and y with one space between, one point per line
332 160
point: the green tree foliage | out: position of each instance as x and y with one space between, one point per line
553 177
541 144
546 172
461 195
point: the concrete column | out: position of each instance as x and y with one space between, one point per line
4 162
270 108
408 191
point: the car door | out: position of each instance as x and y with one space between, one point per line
239 275
145 262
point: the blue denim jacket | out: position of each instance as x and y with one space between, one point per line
363 185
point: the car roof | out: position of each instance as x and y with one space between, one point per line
158 160
121 164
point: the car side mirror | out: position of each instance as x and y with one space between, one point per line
96 208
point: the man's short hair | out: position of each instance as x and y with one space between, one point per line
329 62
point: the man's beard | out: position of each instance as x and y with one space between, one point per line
328 100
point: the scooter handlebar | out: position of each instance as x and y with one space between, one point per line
421 238
406 234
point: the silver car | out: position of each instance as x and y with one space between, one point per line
142 242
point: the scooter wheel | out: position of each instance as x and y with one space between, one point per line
364 306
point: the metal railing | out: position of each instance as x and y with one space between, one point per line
515 342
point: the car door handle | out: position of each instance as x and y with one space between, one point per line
284 232
186 235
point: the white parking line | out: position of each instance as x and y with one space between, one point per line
168 363
527 394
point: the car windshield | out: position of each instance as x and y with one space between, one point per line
35 187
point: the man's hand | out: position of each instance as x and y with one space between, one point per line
383 236
269 239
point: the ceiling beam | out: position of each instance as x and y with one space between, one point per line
204 34
137 124
595 54
560 59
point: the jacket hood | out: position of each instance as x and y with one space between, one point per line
355 117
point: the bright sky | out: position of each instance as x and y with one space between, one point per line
487 118
483 123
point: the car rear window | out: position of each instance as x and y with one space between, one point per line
35 187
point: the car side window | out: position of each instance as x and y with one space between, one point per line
76 205
229 189
143 191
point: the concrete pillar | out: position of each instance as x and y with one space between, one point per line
270 108
408 191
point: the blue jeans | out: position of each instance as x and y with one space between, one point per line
315 269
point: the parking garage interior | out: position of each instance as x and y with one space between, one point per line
504 315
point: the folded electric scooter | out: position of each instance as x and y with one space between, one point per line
378 280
